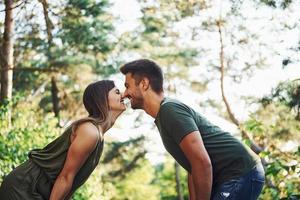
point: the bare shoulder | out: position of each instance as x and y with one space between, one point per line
87 129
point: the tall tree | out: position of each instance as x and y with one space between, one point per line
54 87
6 53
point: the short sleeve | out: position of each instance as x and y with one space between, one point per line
177 120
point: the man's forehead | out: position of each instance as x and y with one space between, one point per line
129 74
128 77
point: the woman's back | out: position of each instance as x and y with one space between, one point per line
51 158
43 167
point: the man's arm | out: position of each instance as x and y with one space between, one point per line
201 169
192 195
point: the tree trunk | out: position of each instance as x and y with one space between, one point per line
54 88
257 149
49 24
7 58
55 99
7 53
178 183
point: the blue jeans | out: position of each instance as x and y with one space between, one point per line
247 187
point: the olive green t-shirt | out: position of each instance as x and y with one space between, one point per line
229 157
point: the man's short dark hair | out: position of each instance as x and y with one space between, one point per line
145 68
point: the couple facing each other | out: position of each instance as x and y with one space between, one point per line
219 166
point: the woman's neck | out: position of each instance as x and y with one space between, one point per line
112 117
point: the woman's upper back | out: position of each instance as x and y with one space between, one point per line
51 158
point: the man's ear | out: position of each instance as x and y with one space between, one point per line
145 84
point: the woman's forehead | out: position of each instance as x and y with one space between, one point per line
114 88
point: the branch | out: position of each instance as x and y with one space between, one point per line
31 69
257 149
231 115
38 91
49 24
129 167
116 146
7 9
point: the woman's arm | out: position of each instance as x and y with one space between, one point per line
83 144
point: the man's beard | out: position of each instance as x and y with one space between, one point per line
137 103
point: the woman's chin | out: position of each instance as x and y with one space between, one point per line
123 108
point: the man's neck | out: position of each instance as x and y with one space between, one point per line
152 103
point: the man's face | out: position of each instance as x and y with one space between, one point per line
133 92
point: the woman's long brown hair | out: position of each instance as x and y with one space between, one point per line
95 100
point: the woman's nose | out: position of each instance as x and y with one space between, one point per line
124 94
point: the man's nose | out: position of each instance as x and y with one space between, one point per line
124 94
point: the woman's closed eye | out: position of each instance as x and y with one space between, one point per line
118 91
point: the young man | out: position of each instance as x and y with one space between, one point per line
219 166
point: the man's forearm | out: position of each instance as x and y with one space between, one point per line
202 179
192 195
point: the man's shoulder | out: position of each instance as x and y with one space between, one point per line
173 106
170 105
170 102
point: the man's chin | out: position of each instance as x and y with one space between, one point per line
135 107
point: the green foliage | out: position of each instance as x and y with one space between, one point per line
153 21
277 3
82 39
165 174
275 128
286 93
122 157
137 184
185 9
271 3
29 131
86 26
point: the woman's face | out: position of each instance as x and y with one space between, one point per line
115 100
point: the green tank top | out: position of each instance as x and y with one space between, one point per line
51 160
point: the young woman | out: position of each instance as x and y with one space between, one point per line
57 170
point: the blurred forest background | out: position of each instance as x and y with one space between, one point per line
209 50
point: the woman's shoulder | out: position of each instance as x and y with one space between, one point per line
88 129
